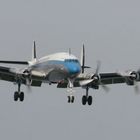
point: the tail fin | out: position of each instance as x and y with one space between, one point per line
69 51
83 59
34 52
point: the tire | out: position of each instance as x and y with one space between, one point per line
90 100
72 99
21 96
16 96
69 99
84 100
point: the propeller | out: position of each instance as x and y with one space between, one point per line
96 77
136 88
134 77
26 75
98 67
28 85
105 88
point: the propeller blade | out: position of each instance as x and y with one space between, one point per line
98 67
136 88
85 82
105 88
28 85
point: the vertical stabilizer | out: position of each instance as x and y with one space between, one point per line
83 59
69 51
34 52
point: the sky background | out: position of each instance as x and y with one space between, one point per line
110 30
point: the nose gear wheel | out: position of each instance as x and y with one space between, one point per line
71 99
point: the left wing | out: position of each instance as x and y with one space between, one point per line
92 80
111 78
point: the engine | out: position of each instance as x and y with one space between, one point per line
96 79
132 78
33 75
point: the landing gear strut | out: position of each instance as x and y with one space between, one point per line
86 98
70 91
18 94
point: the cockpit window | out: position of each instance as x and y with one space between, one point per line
71 60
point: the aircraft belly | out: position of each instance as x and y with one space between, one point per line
54 73
57 73
56 76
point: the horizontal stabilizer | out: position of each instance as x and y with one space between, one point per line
85 67
15 62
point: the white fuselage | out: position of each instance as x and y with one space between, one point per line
57 67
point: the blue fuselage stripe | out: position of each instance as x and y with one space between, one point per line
71 67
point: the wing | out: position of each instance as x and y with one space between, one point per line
15 62
105 79
10 75
111 78
6 74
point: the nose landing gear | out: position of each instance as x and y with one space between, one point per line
71 99
70 90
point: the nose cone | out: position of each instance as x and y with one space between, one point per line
74 69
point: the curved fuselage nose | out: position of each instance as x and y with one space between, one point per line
73 68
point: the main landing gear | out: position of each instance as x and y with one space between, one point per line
18 94
86 98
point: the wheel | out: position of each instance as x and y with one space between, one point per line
84 100
21 96
90 100
69 99
72 99
16 95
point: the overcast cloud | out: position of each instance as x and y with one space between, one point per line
109 29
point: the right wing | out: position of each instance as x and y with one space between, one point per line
9 74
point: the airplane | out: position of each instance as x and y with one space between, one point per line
65 71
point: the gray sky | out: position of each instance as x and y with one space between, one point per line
111 32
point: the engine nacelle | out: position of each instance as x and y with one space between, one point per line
132 78
34 75
96 78
38 75
95 83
